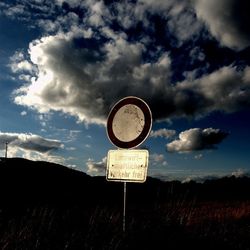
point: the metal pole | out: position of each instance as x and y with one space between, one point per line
124 208
6 149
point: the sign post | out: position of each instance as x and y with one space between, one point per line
124 207
129 124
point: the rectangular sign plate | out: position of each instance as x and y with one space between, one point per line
127 165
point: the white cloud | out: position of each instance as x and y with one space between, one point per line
21 66
70 148
157 160
29 142
67 80
198 157
33 155
226 89
196 139
73 135
179 24
23 113
166 133
227 20
179 16
78 72
240 173
31 146
44 119
96 168
12 11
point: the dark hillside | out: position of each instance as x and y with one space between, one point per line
25 181
48 206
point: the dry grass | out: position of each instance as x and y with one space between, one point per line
174 224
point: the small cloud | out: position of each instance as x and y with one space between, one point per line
164 163
158 159
197 54
19 64
44 119
240 173
73 134
71 148
96 168
200 178
87 146
198 157
23 113
163 133
73 166
197 139
43 124
29 142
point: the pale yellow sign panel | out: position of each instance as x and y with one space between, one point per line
127 165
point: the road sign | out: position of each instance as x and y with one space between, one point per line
129 122
127 165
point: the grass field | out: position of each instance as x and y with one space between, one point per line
169 225
89 215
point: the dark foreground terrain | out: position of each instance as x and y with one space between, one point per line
47 206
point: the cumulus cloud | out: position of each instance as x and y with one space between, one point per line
68 80
197 139
227 20
178 16
30 142
20 64
226 89
157 159
96 168
86 81
31 146
240 173
82 70
164 133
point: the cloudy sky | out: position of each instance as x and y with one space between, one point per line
64 64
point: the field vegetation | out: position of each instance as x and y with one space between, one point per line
45 206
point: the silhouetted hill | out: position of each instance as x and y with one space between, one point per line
23 180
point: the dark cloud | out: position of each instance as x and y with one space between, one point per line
227 20
197 139
86 82
29 142
87 66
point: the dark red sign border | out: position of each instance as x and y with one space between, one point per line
146 129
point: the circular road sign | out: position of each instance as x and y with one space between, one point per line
129 122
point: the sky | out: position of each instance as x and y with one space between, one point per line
64 64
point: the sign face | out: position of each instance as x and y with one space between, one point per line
129 122
127 165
